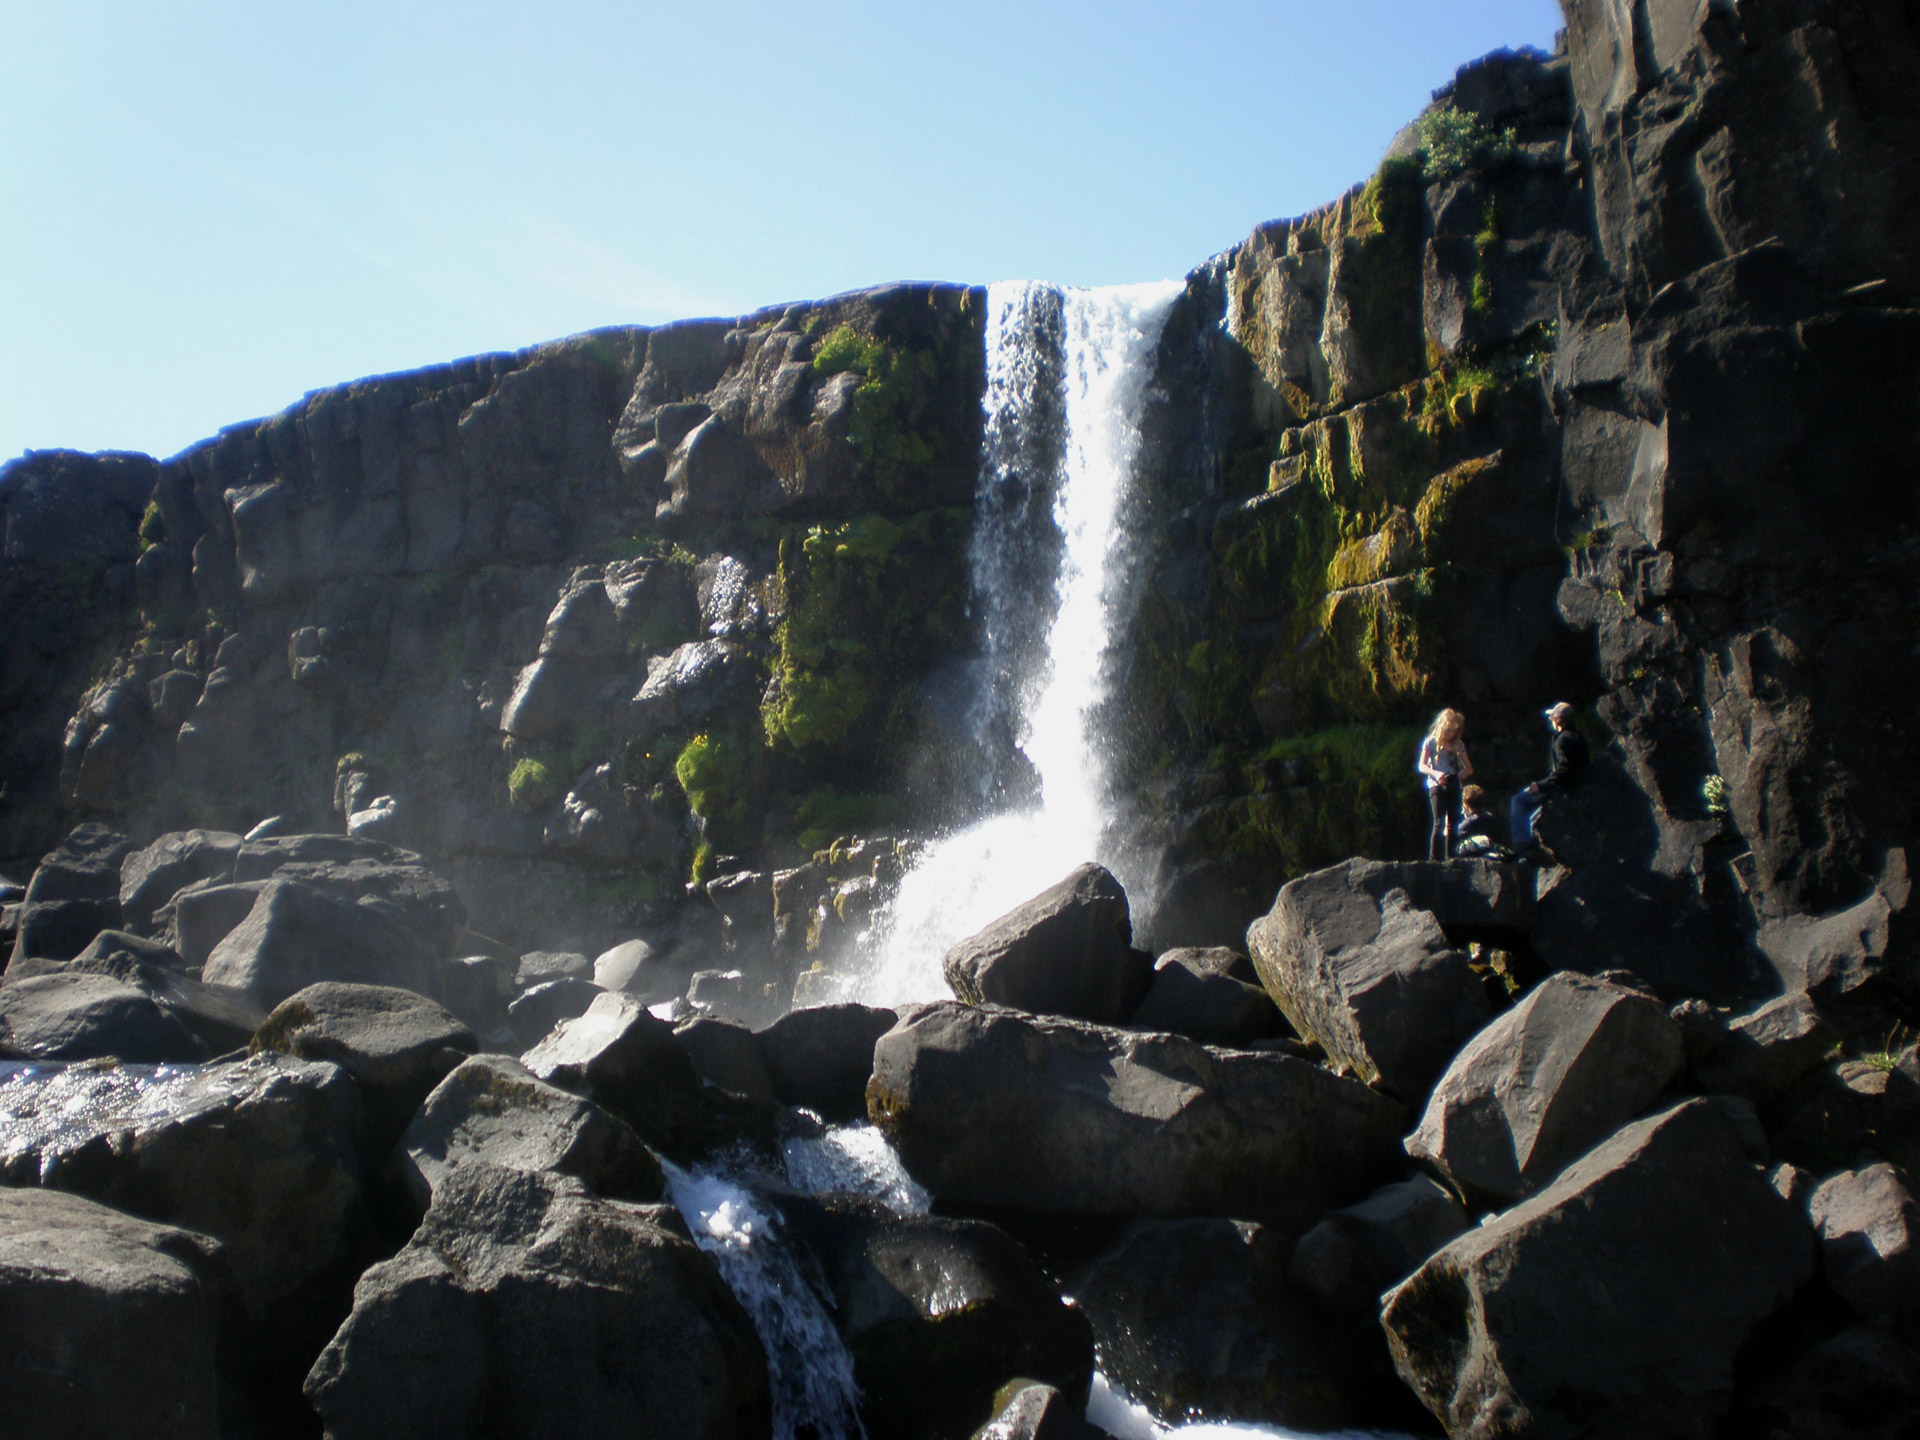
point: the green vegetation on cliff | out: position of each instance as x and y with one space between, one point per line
881 430
868 604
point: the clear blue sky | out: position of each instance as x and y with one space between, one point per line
209 207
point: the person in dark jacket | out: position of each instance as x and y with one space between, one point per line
1569 766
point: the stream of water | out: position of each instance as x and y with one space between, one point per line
1067 376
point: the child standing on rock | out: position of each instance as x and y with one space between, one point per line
1444 763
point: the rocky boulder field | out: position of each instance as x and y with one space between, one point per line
319 1182
444 828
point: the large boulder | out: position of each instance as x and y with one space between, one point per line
532 1014
1543 1084
396 1044
820 1057
1186 998
393 882
1614 1301
81 1016
1869 1224
1765 1050
149 878
619 1055
526 1306
1195 1318
992 1107
111 1322
203 914
938 1315
258 1153
727 1055
262 1154
1353 1255
1353 962
220 1019
493 1111
1067 951
296 935
73 895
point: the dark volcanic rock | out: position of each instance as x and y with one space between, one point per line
1353 1255
1215 1009
74 894
396 1044
82 1016
534 1012
939 1315
619 1056
1543 1084
991 1107
296 935
1067 951
111 1322
1354 963
1195 1318
526 1306
151 877
223 1020
820 1057
726 1054
1767 1049
1869 1224
493 1111
1613 1301
260 1153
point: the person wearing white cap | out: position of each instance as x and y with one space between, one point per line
1570 759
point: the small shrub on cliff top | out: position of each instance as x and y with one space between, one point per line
1452 140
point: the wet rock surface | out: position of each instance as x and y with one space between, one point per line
994 1107
525 1299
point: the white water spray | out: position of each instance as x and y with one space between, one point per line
808 1368
962 882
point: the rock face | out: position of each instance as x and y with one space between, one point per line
1614 1300
1215 1009
822 1057
991 1107
397 1046
1195 1318
79 1017
112 1321
492 1111
259 1154
622 1057
73 896
939 1315
526 1305
1544 1083
296 935
1353 963
1352 1256
1869 1224
1067 951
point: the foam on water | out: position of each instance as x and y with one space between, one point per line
853 1159
1107 339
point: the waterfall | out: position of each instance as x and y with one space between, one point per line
1067 376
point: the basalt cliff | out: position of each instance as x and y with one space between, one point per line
351 736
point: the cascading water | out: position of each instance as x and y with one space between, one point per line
1100 345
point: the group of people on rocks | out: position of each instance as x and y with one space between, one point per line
1459 825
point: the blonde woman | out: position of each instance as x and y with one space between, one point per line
1444 763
